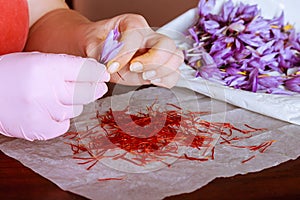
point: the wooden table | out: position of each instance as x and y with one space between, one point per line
281 182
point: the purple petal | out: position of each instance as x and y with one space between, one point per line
270 81
279 91
114 52
237 26
211 24
220 55
293 84
278 45
206 6
269 57
194 34
253 79
111 46
261 50
235 81
116 34
257 24
247 12
251 39
232 71
239 55
279 21
217 46
226 10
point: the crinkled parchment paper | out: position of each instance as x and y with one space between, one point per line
53 159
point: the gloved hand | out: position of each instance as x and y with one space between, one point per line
41 92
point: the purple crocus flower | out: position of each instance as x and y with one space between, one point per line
251 39
208 69
111 46
194 35
247 12
227 11
205 7
269 82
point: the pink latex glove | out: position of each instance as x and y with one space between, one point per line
41 92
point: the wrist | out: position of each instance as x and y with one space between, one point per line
59 31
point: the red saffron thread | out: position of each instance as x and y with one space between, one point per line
112 179
120 76
179 126
213 153
193 158
248 159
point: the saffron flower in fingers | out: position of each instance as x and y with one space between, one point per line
111 46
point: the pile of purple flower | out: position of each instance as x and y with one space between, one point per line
240 48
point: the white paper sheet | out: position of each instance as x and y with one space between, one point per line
53 159
283 107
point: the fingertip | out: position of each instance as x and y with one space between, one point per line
89 71
77 110
93 63
167 82
57 129
113 67
136 67
105 77
62 128
101 89
156 81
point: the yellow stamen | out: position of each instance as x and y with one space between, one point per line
288 27
198 63
274 26
229 45
243 73
298 73
263 75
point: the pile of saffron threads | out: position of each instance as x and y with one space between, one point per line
180 129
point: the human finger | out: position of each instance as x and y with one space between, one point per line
88 70
167 81
160 50
125 77
132 41
57 129
64 112
157 71
81 93
41 131
133 30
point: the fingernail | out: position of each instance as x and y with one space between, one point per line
158 80
113 67
136 67
149 74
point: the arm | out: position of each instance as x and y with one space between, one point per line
54 28
38 9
